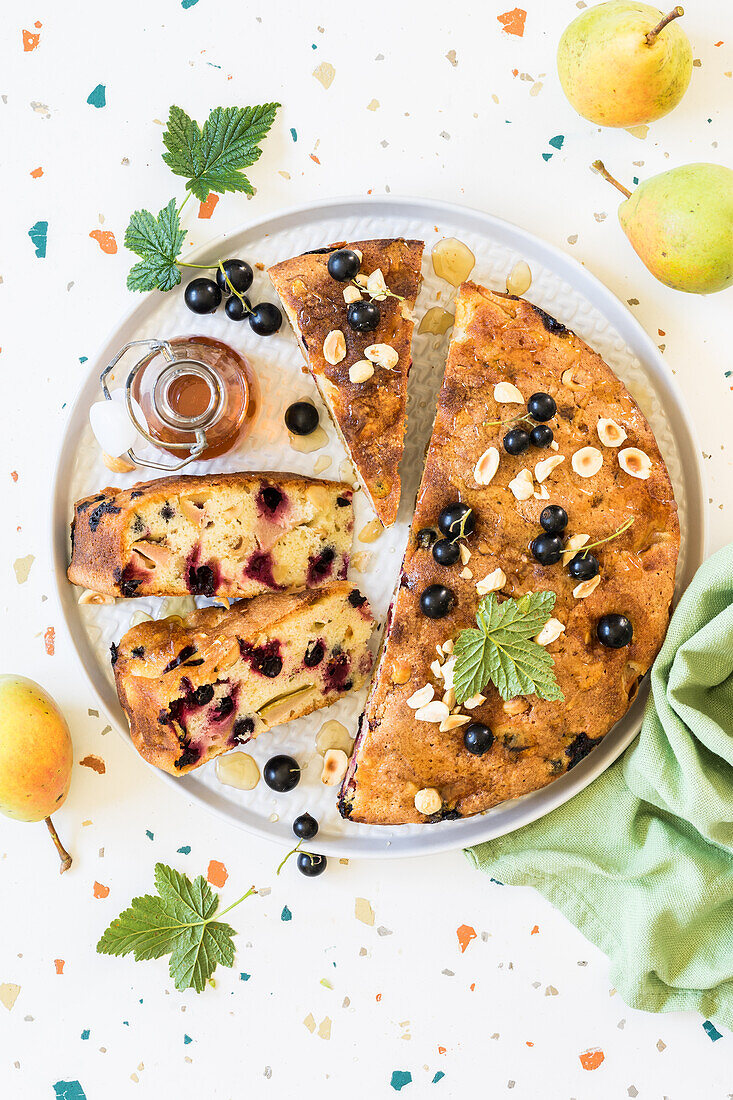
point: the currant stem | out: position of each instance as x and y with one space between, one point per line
63 854
252 890
245 307
620 531
287 857
674 14
600 167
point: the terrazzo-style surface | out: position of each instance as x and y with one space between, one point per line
420 977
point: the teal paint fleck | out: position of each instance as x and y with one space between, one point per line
636 181
438 1077
186 1040
83 358
712 1031
185 850
38 234
728 374
547 156
149 834
98 97
557 141
293 133
400 1078
188 3
244 977
286 914
213 66
496 881
69 1090
313 46
85 1033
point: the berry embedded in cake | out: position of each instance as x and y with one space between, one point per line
218 535
195 688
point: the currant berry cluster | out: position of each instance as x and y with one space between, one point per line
456 521
282 774
613 631
343 266
233 279
540 408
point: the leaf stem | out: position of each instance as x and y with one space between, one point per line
216 916
180 208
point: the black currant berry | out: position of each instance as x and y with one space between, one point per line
343 265
239 274
236 308
265 319
301 418
202 296
583 567
614 631
363 316
541 406
457 519
478 738
541 436
446 552
281 773
310 864
553 519
516 441
425 538
547 549
305 827
437 601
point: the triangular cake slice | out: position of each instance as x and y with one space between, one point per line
413 765
369 414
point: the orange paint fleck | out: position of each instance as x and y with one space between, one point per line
217 873
206 209
535 930
591 1059
59 964
95 763
718 43
441 1050
661 332
49 640
31 39
527 1043
378 997
105 238
314 158
465 934
472 987
37 173
513 21
100 891
14 475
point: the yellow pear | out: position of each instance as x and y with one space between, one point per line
622 63
35 755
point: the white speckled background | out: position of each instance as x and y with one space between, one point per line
322 1001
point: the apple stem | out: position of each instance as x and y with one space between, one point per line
63 854
674 14
600 167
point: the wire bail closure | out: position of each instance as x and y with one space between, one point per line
175 368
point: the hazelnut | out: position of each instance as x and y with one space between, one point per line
610 433
474 701
428 801
383 355
361 371
376 285
573 544
421 697
401 672
452 722
433 712
486 466
550 632
515 706
507 394
492 582
635 462
586 587
522 486
587 461
335 763
544 468
334 347
117 465
352 294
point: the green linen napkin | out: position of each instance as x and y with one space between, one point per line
642 859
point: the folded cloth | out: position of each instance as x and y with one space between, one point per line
642 859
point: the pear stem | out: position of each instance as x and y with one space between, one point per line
674 14
600 167
63 854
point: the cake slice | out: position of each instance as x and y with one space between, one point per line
194 688
369 412
217 535
603 467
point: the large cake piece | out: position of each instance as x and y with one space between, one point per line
604 468
369 412
195 688
218 535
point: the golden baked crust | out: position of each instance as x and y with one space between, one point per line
194 688
237 534
370 416
499 338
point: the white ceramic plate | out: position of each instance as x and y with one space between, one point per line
561 287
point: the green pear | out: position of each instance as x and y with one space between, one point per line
681 225
623 63
35 755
